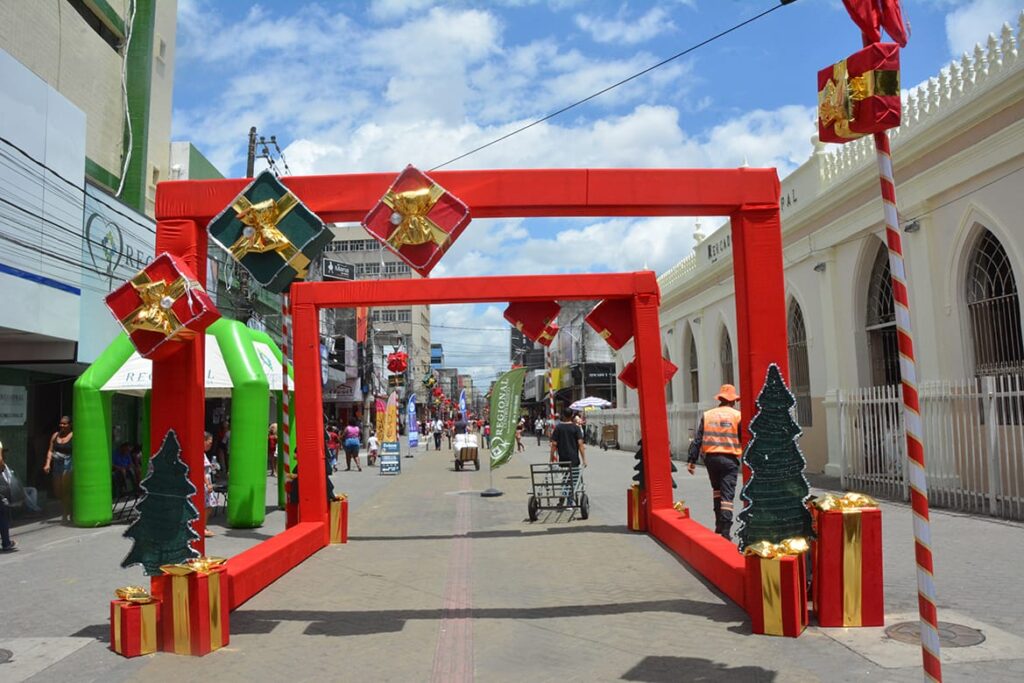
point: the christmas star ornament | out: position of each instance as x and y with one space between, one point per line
270 232
417 219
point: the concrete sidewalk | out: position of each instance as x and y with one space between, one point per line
440 584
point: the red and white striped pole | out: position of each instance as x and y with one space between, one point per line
926 599
286 324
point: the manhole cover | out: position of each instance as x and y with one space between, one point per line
950 635
5 656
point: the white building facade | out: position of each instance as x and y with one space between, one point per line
959 169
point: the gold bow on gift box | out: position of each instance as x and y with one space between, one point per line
154 314
769 550
261 234
340 497
836 99
410 215
195 565
848 501
679 507
136 594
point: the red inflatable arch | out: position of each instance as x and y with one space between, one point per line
749 197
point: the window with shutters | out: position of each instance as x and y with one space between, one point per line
799 370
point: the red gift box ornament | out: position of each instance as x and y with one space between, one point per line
417 219
776 587
398 361
163 302
195 606
847 579
860 95
535 319
628 376
613 320
133 622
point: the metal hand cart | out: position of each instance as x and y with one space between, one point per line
609 436
466 451
557 486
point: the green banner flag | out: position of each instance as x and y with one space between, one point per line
505 415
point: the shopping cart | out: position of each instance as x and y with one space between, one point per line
557 486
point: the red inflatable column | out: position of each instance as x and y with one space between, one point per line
178 389
308 413
651 391
760 301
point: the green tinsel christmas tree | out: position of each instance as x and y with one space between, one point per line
163 533
777 490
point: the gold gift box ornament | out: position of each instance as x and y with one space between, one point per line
411 217
262 235
184 625
155 313
148 608
770 569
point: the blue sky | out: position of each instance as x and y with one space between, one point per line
349 86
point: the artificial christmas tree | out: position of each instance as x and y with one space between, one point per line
163 532
776 492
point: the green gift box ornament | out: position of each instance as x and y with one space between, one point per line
270 233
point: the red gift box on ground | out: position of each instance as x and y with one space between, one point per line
636 509
339 519
535 319
847 570
417 219
163 303
628 376
134 617
860 94
613 320
194 594
776 587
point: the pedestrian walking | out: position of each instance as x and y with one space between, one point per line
567 449
718 440
352 441
538 427
372 446
438 432
272 449
519 435
487 434
9 489
209 467
333 446
58 463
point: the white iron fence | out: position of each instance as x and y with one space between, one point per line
973 440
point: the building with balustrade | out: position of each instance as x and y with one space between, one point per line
959 169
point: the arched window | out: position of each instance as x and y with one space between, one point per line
883 349
725 358
692 371
799 370
994 309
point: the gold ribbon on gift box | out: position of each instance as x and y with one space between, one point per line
850 504
680 507
771 555
836 99
262 235
137 595
410 216
336 518
155 313
634 501
179 596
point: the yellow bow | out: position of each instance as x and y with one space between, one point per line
411 209
195 565
848 501
155 313
768 550
136 594
680 507
836 99
261 234
340 496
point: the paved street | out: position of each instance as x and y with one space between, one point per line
440 584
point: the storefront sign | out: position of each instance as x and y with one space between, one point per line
13 405
336 270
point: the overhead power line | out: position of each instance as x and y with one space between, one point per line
615 85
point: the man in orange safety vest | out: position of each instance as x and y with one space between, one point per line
718 440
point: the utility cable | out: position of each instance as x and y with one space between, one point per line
611 87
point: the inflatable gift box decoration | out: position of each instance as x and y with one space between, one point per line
133 622
776 587
860 95
417 219
270 233
613 320
628 376
535 319
194 595
162 304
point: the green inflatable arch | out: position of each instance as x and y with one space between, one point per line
92 490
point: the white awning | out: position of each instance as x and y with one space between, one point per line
271 366
136 376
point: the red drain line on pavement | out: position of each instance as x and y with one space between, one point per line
453 659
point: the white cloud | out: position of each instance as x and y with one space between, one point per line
392 9
626 29
972 23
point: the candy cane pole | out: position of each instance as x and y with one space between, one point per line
911 419
285 399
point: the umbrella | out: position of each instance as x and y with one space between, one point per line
590 402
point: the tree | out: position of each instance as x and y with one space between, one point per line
776 492
163 533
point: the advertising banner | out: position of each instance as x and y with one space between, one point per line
505 398
413 422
